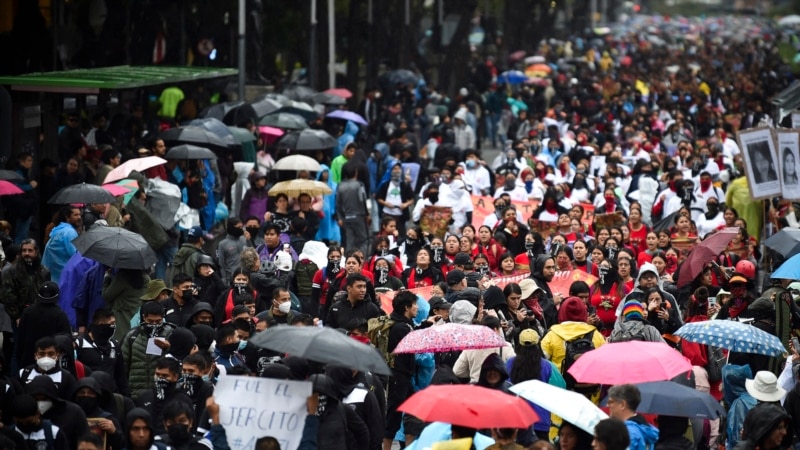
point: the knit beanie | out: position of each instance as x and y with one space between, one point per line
572 310
633 310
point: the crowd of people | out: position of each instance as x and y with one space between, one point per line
627 151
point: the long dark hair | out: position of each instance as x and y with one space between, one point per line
134 277
527 364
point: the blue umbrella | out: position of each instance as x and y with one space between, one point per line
789 270
668 398
512 77
732 335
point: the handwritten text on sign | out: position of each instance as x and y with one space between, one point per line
251 408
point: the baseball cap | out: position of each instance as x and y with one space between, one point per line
49 291
454 277
439 303
463 259
528 337
194 233
737 279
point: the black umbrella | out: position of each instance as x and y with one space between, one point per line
306 114
81 193
219 110
284 120
116 247
390 79
306 140
195 136
252 111
324 345
10 175
187 151
324 98
786 242
297 92
666 223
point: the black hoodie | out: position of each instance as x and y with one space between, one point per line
132 416
547 304
759 423
91 407
362 400
494 362
110 399
66 415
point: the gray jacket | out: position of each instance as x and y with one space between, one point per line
351 200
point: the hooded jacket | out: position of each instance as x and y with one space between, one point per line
642 434
105 358
43 318
494 362
664 327
140 366
20 285
337 421
759 423
361 400
133 416
548 307
635 327
109 400
114 440
68 416
737 398
554 342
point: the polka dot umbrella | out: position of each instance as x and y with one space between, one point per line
732 335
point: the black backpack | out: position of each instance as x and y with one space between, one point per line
574 349
626 335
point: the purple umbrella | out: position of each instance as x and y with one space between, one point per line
348 115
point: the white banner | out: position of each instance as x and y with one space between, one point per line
251 408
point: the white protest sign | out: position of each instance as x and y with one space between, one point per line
251 408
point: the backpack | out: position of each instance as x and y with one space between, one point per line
49 438
304 271
378 329
716 360
626 335
574 349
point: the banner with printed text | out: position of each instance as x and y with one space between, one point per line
251 408
483 206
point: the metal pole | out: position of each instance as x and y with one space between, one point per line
593 14
370 43
332 45
242 34
312 51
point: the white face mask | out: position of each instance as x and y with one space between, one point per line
285 307
46 363
44 406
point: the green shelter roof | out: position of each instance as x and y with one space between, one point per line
90 81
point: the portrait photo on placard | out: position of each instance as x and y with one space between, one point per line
789 162
761 162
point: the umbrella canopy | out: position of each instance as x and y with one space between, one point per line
116 247
348 115
10 175
270 134
449 337
629 362
220 110
138 164
251 112
81 193
301 109
390 79
242 135
537 70
340 92
297 162
194 135
786 242
469 406
732 335
512 77
187 151
307 140
668 398
293 188
789 270
116 190
571 406
9 188
324 98
324 345
264 106
705 252
297 92
284 120
163 201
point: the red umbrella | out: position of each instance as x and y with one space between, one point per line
704 253
629 362
116 190
340 92
449 337
7 188
469 406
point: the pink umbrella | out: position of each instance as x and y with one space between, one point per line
137 164
7 188
629 362
116 190
449 337
270 134
340 92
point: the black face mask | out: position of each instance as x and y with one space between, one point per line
163 388
87 404
713 210
191 384
29 428
235 231
102 332
438 254
603 272
529 246
253 232
187 295
228 348
433 198
334 266
151 329
383 274
179 433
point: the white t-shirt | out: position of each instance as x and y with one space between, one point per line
393 197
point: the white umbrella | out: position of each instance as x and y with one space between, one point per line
297 162
570 406
791 20
138 164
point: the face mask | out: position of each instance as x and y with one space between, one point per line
228 348
396 176
323 402
333 265
383 251
705 184
44 406
482 269
612 253
383 274
178 433
191 383
471 164
187 295
529 186
235 231
609 198
253 231
529 246
206 378
285 307
102 332
87 404
241 288
30 261
687 194
163 388
602 271
433 198
46 364
28 428
510 184
713 209
438 253
152 329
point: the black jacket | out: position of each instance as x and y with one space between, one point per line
404 363
547 303
104 358
177 314
65 415
342 312
148 401
362 401
39 320
758 424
